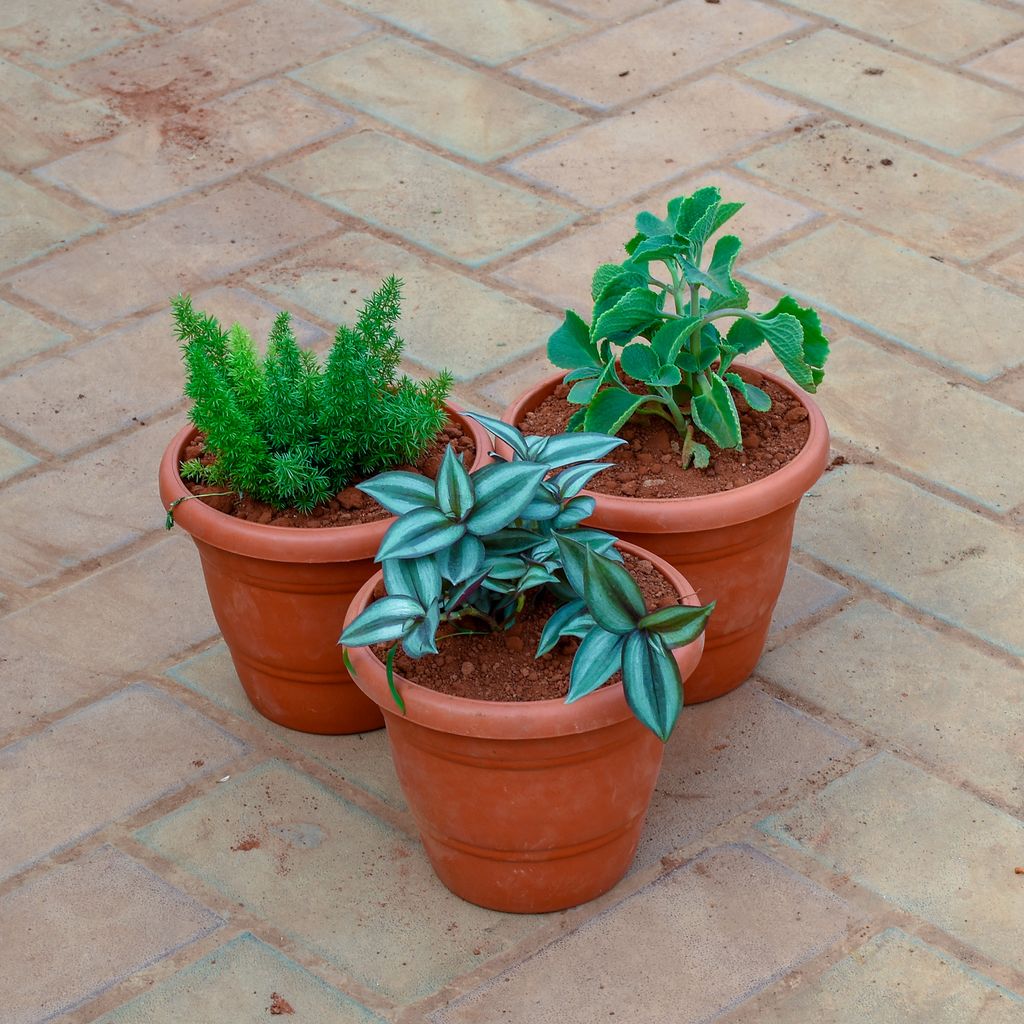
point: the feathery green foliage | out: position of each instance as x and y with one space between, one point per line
290 432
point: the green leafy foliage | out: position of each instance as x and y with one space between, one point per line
673 359
290 432
476 547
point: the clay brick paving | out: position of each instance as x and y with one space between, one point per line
835 841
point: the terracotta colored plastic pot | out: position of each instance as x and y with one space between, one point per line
523 807
732 546
280 594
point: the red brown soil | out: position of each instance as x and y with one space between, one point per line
649 467
347 507
279 1005
502 666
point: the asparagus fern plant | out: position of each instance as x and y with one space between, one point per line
469 550
292 432
654 347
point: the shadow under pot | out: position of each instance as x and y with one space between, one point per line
733 546
280 594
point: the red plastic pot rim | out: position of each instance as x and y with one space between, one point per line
508 720
281 543
786 486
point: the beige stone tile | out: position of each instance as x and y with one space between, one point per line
728 756
251 42
1007 159
141 917
649 52
943 210
440 205
924 691
804 593
879 825
491 33
1012 268
925 305
334 278
706 936
59 33
23 335
1006 64
61 518
510 382
132 267
945 432
235 983
947 30
923 102
362 759
605 162
561 271
178 12
13 460
33 222
894 979
151 162
92 634
610 10
928 552
139 746
39 119
383 896
457 108
71 401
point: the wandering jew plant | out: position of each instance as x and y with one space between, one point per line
643 355
471 549
290 432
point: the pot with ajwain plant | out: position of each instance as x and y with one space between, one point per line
282 438
527 765
653 365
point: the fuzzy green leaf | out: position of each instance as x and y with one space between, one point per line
758 400
611 594
656 247
570 346
604 274
650 677
632 314
419 532
640 362
715 413
611 408
597 659
669 339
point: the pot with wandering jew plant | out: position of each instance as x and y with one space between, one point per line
720 453
262 478
529 670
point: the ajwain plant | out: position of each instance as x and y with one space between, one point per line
290 432
654 345
469 550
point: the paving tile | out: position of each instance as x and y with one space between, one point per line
1006 64
625 155
41 119
33 222
148 163
895 979
878 825
804 593
382 895
440 205
561 272
1012 268
334 278
132 267
178 12
699 941
726 757
610 10
928 552
139 746
455 107
944 432
924 691
920 101
13 460
79 398
59 33
23 335
489 33
634 58
943 210
903 295
947 30
235 983
251 42
1007 159
511 381
362 759
109 625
